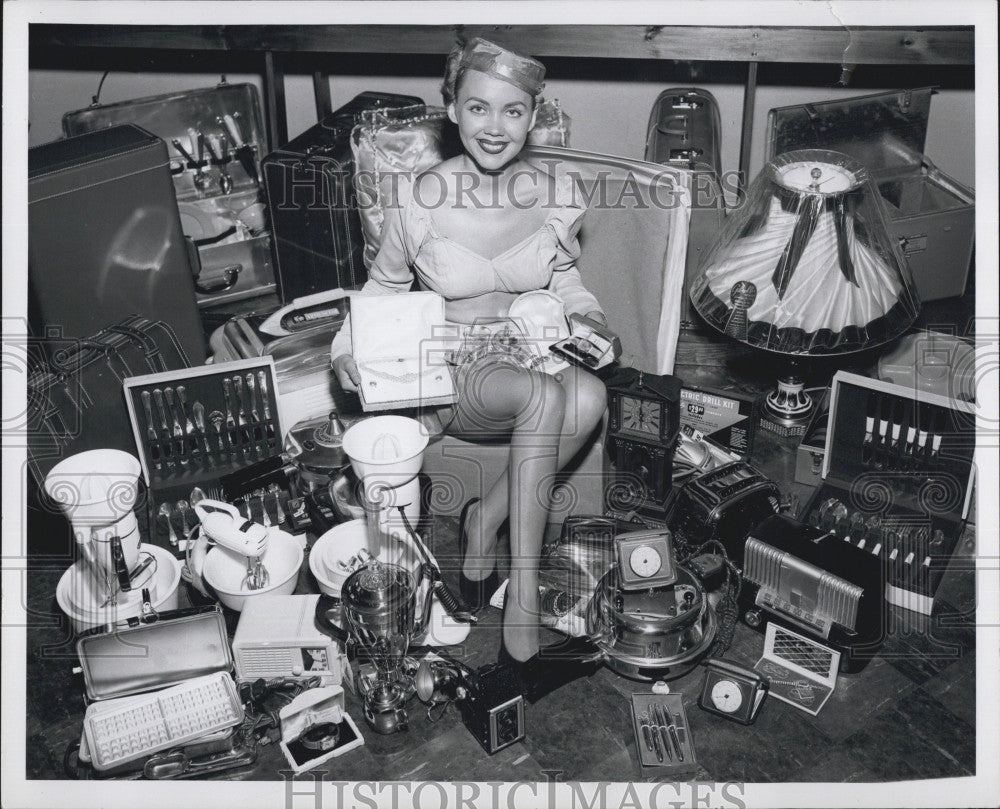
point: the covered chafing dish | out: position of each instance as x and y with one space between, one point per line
659 633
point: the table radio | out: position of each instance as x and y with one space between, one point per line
814 582
276 637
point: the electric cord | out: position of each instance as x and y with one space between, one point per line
727 609
95 99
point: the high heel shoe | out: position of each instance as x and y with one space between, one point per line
554 666
475 592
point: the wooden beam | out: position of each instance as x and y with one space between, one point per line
746 130
953 45
275 109
321 92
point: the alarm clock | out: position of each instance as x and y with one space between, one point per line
732 691
645 559
643 425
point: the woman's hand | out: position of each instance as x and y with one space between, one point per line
346 370
597 315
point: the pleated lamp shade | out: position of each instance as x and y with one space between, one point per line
806 265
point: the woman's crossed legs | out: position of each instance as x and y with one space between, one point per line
547 420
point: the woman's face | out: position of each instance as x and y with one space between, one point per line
493 119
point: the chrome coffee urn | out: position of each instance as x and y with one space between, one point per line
382 609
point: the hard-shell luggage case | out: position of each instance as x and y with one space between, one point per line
104 238
685 131
215 138
933 215
75 394
318 244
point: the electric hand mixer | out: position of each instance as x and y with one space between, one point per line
223 523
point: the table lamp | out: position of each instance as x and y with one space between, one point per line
806 267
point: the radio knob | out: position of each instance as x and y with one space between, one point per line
297 671
752 618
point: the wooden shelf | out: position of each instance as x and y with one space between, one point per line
945 46
938 45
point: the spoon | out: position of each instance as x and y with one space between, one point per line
263 507
182 507
225 179
165 513
201 180
275 489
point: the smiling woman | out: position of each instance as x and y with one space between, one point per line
496 237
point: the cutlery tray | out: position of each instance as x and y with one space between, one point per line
197 426
898 474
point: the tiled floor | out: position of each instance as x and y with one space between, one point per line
910 714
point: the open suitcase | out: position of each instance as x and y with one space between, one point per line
215 140
931 214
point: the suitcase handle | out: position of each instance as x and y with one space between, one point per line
230 275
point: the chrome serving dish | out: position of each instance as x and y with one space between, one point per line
657 634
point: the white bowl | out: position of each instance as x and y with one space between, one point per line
386 450
224 570
330 555
77 594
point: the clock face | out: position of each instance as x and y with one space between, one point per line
815 176
645 561
641 416
727 696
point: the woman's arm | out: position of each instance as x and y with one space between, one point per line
577 299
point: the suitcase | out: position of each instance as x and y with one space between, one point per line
215 138
104 238
75 398
931 214
685 130
317 239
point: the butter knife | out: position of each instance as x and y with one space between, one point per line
151 436
241 417
232 434
254 414
262 376
198 410
165 443
178 431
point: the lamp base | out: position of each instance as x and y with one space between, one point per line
788 408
